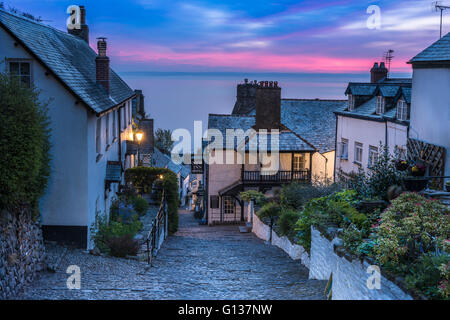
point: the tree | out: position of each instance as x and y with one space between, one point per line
24 144
163 140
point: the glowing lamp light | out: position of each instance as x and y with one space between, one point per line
161 177
139 135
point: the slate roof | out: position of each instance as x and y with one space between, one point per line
361 89
312 120
161 160
389 91
70 58
438 51
287 141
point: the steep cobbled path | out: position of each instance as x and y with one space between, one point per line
198 262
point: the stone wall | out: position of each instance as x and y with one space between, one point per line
350 275
22 251
296 252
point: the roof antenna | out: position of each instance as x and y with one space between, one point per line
438 6
388 59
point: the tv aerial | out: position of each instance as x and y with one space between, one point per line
437 6
388 56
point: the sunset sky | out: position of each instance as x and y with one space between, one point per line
329 36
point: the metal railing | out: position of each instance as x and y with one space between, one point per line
158 229
280 176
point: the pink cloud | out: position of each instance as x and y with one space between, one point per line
258 61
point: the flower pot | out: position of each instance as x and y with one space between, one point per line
400 166
414 184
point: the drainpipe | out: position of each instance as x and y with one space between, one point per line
120 138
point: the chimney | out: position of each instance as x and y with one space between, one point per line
268 105
83 32
378 73
246 97
102 64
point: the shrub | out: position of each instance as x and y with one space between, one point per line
271 210
107 230
295 195
411 226
259 198
287 222
122 246
143 178
24 144
140 205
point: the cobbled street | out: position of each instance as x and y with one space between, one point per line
198 262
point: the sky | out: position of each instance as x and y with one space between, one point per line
329 36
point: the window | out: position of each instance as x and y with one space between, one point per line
358 152
400 153
22 70
299 162
373 155
351 102
98 136
114 127
107 130
380 105
402 110
229 205
214 202
344 149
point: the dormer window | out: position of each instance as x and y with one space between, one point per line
380 105
351 102
402 110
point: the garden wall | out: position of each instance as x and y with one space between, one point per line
21 252
349 275
296 252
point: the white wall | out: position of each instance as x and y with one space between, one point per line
430 108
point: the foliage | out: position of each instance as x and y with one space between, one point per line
270 210
375 183
24 144
122 246
295 195
143 179
334 210
412 226
287 222
107 230
140 205
163 140
254 195
429 275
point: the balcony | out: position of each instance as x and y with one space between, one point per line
278 177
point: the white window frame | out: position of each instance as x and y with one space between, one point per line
20 75
107 131
344 149
359 152
351 102
373 155
299 162
98 136
114 127
381 103
229 205
402 110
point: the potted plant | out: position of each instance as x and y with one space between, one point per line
418 170
401 165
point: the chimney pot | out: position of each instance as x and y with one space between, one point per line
83 32
378 72
102 64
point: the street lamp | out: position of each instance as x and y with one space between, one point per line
139 136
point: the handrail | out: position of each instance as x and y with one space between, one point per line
154 233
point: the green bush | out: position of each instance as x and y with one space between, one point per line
271 210
122 246
143 178
287 222
140 205
106 230
295 195
411 226
24 144
259 198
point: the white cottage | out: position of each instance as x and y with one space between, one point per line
430 108
90 114
377 112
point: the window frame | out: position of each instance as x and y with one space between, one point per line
107 131
229 205
344 142
371 161
358 146
21 61
351 102
402 110
381 105
298 160
98 136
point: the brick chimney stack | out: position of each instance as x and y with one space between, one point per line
268 106
246 97
83 32
378 73
102 64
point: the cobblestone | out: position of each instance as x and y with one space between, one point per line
198 262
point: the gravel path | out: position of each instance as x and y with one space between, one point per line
198 262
